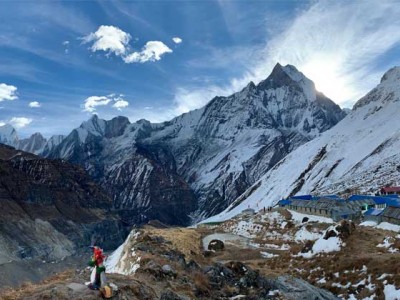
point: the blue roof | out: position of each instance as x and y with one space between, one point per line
284 202
393 202
302 197
373 212
333 197
376 199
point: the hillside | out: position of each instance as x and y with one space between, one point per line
50 210
272 255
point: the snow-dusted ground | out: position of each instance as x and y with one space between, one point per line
382 225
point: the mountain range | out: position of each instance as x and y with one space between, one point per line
197 164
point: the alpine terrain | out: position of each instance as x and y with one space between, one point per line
198 163
358 155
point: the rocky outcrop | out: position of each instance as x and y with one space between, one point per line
294 288
51 209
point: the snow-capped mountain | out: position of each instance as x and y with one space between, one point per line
50 144
8 135
227 145
144 184
33 144
201 161
36 143
358 155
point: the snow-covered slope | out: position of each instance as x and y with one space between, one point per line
217 151
227 145
360 154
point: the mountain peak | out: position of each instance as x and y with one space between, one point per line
8 135
116 126
37 135
289 76
393 75
7 128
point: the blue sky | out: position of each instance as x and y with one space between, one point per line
62 61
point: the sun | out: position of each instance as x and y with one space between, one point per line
328 78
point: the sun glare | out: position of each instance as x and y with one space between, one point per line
328 80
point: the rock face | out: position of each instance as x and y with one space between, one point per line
142 181
51 209
198 163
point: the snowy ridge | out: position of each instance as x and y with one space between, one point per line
358 155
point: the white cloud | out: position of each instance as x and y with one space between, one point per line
20 122
337 45
110 39
152 51
340 46
65 43
7 92
92 102
119 104
188 99
177 40
35 104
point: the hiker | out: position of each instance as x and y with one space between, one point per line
99 279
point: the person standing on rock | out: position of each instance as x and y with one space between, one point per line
97 260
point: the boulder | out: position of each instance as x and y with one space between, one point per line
346 228
305 220
216 245
168 270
